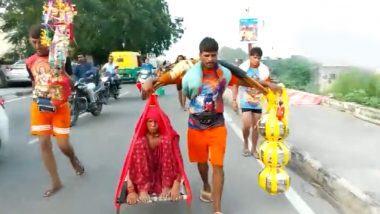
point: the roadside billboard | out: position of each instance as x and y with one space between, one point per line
248 30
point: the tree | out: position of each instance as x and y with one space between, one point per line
102 26
19 15
230 54
294 72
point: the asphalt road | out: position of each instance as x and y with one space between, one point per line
102 143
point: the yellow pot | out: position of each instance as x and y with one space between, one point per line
274 154
271 128
274 180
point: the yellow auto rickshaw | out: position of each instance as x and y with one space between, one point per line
128 63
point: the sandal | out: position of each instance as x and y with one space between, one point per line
51 192
184 108
205 196
246 153
255 155
78 167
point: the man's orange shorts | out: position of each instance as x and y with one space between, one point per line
208 144
47 123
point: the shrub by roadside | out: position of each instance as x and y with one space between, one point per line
359 87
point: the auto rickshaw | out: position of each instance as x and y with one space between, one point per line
128 63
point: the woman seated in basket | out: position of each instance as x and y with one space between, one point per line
154 167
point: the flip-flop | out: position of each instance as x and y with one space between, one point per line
51 192
205 196
255 155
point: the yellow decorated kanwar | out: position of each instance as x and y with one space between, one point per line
273 153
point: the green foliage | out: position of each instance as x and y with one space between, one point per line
296 72
359 87
230 54
19 16
102 26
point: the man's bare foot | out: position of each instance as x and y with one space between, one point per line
53 190
144 197
77 165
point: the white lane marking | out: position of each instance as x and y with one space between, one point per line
80 116
293 197
35 140
125 93
16 99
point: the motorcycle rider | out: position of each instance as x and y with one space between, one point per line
146 74
88 72
146 64
110 69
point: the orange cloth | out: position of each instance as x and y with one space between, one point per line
207 144
234 80
48 123
178 83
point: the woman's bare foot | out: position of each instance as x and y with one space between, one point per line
174 192
165 192
132 198
144 197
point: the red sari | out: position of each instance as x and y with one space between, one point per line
151 170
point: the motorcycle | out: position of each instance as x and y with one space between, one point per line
111 88
80 100
4 123
145 76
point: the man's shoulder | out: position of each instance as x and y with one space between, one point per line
87 64
30 60
32 57
263 71
189 66
225 69
245 65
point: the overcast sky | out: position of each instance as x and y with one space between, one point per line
333 31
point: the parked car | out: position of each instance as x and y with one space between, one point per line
4 124
14 73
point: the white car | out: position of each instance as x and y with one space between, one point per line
4 124
15 73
